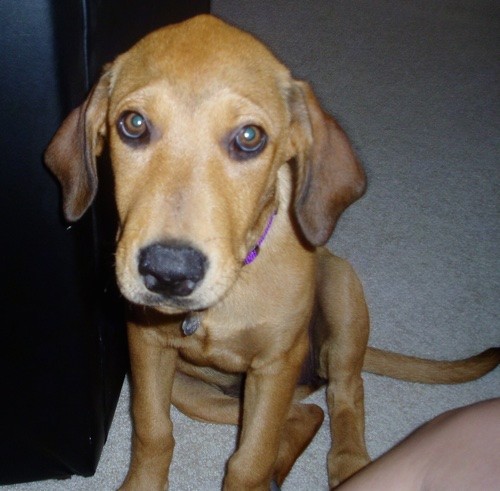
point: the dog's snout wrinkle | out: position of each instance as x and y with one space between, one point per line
171 270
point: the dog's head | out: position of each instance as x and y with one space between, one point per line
200 117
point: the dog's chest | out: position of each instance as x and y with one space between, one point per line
226 343
256 321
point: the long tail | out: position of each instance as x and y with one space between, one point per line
425 371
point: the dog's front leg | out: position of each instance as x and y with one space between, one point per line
345 329
268 395
153 366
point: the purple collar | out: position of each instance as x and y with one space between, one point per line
252 255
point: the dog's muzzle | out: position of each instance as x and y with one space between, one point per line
171 270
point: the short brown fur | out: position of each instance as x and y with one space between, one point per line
197 83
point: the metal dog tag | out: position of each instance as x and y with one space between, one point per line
190 324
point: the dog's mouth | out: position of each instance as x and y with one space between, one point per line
170 306
166 304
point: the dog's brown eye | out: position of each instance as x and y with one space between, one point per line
133 126
248 141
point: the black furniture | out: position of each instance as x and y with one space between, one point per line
63 351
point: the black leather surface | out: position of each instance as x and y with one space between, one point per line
62 339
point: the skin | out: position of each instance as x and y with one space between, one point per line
456 450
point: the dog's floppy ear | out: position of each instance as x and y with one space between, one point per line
71 155
329 177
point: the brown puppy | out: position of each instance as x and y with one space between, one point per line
218 153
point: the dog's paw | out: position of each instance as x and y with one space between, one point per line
343 465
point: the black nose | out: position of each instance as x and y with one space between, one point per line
171 270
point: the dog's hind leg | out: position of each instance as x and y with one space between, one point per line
204 402
302 424
342 332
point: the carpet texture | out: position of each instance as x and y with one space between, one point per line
415 85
